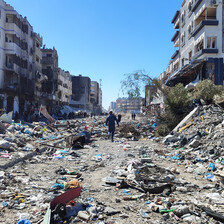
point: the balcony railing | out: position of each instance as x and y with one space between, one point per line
195 6
205 51
202 24
175 54
47 60
175 16
175 36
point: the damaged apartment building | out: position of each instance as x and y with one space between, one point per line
86 94
57 87
199 40
29 74
20 49
81 87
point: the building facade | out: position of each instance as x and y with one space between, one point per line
199 42
51 71
38 77
113 106
94 97
128 105
29 72
80 92
100 99
64 91
16 60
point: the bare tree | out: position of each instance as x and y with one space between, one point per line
134 83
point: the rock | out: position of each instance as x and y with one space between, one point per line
166 216
83 215
190 169
170 138
5 144
181 210
174 170
201 169
112 180
146 160
182 189
194 144
111 211
118 200
189 218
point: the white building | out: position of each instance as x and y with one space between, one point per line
113 106
199 43
64 91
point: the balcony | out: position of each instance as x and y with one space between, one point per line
195 6
177 24
204 23
177 42
175 54
11 87
47 60
205 51
175 36
10 46
176 16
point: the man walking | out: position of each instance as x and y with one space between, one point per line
110 121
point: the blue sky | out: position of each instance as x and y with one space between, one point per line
105 39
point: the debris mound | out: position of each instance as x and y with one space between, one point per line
128 131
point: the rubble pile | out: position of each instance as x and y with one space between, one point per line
128 131
70 172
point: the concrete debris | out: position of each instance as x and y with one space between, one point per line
70 172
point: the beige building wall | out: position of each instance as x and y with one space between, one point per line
64 87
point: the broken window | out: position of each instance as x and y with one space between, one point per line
210 71
211 42
9 38
189 6
190 55
9 18
37 59
183 17
199 46
176 66
207 14
9 62
182 62
183 39
189 29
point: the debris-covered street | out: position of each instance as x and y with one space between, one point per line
138 178
102 121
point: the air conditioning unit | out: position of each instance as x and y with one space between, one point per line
214 2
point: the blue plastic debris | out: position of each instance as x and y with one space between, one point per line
58 186
212 167
209 176
154 125
4 204
176 157
24 221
